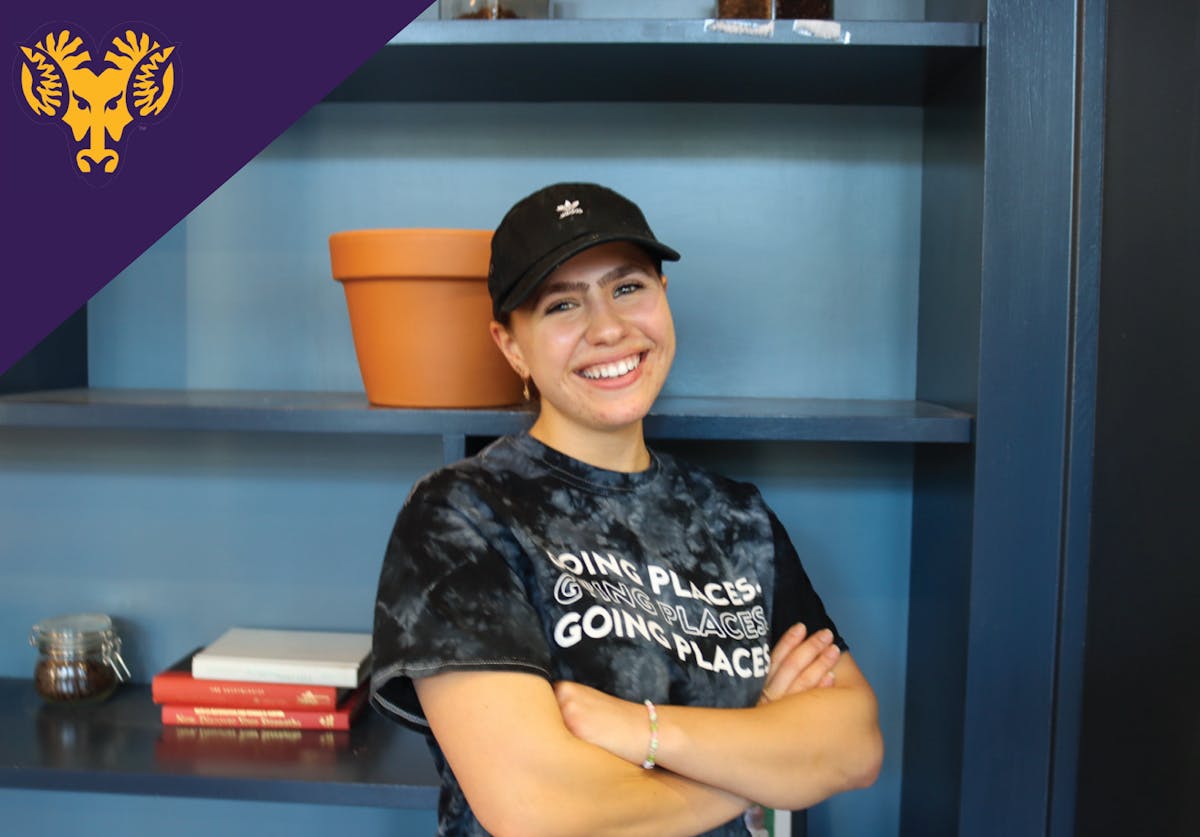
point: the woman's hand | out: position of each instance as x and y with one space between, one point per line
800 662
619 726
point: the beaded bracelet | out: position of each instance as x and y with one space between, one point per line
652 750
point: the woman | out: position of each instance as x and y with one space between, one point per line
600 638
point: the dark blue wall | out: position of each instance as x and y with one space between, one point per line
1139 759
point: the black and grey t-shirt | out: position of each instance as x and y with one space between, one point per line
670 584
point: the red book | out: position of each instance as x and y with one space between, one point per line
176 685
220 746
241 717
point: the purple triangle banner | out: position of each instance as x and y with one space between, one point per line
120 118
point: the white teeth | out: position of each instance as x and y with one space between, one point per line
612 370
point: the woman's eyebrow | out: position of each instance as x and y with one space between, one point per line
620 272
561 287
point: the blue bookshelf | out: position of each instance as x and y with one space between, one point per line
1001 263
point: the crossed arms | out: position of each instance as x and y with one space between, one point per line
535 759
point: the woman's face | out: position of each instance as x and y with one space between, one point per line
597 339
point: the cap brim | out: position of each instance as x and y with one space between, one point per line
546 265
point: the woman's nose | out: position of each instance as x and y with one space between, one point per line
605 324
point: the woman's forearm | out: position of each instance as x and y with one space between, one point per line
788 753
608 798
524 773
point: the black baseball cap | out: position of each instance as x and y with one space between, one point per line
553 224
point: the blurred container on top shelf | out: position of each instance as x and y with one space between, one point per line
775 9
492 9
804 9
632 9
746 9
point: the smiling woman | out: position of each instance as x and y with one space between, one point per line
569 610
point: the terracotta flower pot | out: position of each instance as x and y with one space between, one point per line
419 311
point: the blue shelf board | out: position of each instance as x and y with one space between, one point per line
796 419
121 746
783 61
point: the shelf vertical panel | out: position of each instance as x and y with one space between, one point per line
947 368
1077 545
454 447
1020 453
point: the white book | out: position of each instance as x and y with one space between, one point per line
318 658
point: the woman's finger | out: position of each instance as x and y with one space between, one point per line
790 640
794 651
804 667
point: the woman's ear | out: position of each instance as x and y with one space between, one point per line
664 280
507 344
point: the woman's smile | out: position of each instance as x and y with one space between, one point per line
617 372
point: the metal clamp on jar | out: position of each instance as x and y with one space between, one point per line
79 658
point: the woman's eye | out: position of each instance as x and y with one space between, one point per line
627 288
560 305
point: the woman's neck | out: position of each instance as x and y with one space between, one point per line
620 449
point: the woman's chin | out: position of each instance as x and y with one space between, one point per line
605 415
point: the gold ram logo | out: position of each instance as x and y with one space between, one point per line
136 80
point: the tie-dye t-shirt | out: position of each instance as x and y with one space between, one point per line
671 584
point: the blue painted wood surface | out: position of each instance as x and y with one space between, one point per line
1081 436
943 495
803 419
1020 451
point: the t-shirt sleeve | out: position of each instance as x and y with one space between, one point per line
448 600
795 599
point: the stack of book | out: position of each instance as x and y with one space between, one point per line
254 678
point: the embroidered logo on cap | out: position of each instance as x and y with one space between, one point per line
568 208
